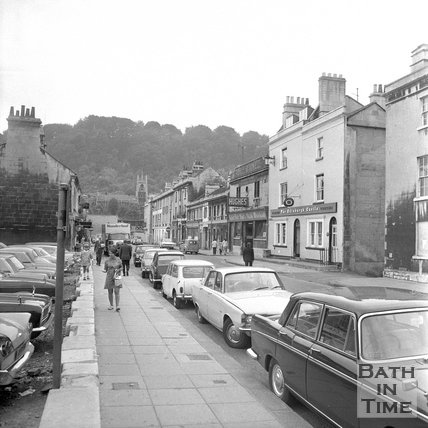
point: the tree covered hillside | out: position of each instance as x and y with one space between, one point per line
108 152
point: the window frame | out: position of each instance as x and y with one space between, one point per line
320 148
281 233
296 311
316 234
319 191
422 190
257 189
284 158
283 196
424 111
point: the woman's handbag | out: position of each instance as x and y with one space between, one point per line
118 280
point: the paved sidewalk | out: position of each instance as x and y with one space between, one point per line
156 369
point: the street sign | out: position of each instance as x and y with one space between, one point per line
288 202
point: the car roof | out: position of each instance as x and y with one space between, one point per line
242 269
192 262
172 252
366 299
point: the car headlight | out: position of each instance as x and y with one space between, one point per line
6 346
246 320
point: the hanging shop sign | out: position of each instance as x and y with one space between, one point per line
305 210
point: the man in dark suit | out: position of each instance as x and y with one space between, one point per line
125 253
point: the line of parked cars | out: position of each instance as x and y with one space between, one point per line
313 346
27 292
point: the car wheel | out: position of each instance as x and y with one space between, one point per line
233 336
201 319
163 293
277 382
177 302
143 275
151 279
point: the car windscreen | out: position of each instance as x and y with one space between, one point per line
249 281
5 267
165 259
15 263
395 335
196 271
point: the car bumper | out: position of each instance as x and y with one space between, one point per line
252 354
8 376
45 326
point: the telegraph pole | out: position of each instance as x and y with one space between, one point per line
59 288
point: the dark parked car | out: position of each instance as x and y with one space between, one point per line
138 252
337 353
147 258
38 305
160 264
15 346
39 286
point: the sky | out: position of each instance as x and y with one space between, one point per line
197 62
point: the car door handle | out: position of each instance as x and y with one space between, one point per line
314 351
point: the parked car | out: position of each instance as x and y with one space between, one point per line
147 258
13 285
139 252
316 348
160 262
15 346
180 278
43 253
2 245
28 264
10 266
189 246
229 297
31 259
38 305
168 244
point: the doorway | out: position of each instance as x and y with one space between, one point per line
296 238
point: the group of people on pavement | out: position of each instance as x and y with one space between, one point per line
223 247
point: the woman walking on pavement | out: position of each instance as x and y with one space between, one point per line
113 267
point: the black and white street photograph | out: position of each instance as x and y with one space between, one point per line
213 214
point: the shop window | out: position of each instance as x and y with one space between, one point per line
260 229
283 190
423 176
319 182
237 230
315 231
238 192
281 233
257 189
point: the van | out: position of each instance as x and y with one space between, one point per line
190 246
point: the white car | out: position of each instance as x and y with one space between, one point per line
229 297
180 278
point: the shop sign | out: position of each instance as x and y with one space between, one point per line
259 214
305 210
238 202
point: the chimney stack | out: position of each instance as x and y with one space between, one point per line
293 108
419 58
378 95
331 92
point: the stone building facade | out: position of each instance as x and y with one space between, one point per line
326 187
406 237
29 184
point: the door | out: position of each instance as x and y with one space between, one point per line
204 292
296 238
332 241
248 237
296 340
216 303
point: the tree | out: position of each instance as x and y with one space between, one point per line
113 206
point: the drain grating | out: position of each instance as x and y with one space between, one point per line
125 385
219 381
199 357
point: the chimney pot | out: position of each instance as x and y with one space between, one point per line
287 99
329 75
292 99
323 73
33 112
334 75
298 100
380 88
27 112
22 110
340 75
12 111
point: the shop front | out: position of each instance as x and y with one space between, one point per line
249 226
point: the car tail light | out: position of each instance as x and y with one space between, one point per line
6 346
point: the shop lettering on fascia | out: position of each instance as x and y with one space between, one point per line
305 210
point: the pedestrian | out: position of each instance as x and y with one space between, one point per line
125 253
113 267
248 254
214 246
224 245
98 249
86 260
